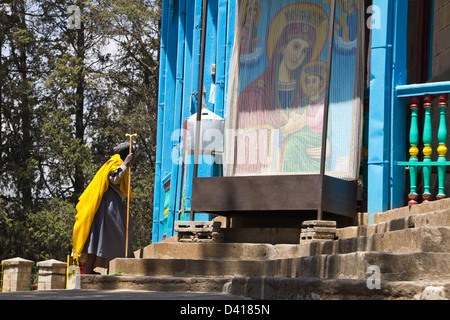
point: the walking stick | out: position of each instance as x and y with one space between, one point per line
129 192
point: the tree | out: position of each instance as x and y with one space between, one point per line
67 96
18 101
133 26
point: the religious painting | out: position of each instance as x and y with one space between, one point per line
279 79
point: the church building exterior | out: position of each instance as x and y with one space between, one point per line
310 109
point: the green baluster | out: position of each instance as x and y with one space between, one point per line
442 149
413 151
427 150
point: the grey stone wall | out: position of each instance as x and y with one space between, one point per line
441 41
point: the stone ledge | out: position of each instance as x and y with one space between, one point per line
422 239
403 212
243 251
336 289
149 283
418 266
190 268
440 218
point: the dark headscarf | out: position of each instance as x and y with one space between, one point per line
123 149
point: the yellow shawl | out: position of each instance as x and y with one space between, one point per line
90 200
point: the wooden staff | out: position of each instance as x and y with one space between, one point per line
129 191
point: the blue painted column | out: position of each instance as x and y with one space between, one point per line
387 121
177 120
166 108
399 109
162 74
169 109
221 57
194 18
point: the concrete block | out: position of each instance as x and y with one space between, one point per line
317 230
52 275
199 231
197 226
16 274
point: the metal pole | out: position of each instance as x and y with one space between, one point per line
129 193
327 103
199 96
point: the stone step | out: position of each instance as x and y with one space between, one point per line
223 251
409 246
190 267
347 273
392 220
428 266
266 288
337 289
151 283
422 239
418 266
404 212
439 218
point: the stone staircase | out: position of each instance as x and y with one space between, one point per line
404 255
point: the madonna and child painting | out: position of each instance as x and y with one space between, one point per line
278 89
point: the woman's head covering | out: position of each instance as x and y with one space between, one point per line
123 149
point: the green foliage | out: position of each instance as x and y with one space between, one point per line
67 96
47 230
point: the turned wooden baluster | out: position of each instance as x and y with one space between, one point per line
413 151
442 149
427 150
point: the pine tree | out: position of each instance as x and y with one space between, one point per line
68 94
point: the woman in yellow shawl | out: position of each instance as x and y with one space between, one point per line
99 233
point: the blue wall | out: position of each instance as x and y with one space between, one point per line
179 67
387 114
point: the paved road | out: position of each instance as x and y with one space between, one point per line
113 295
